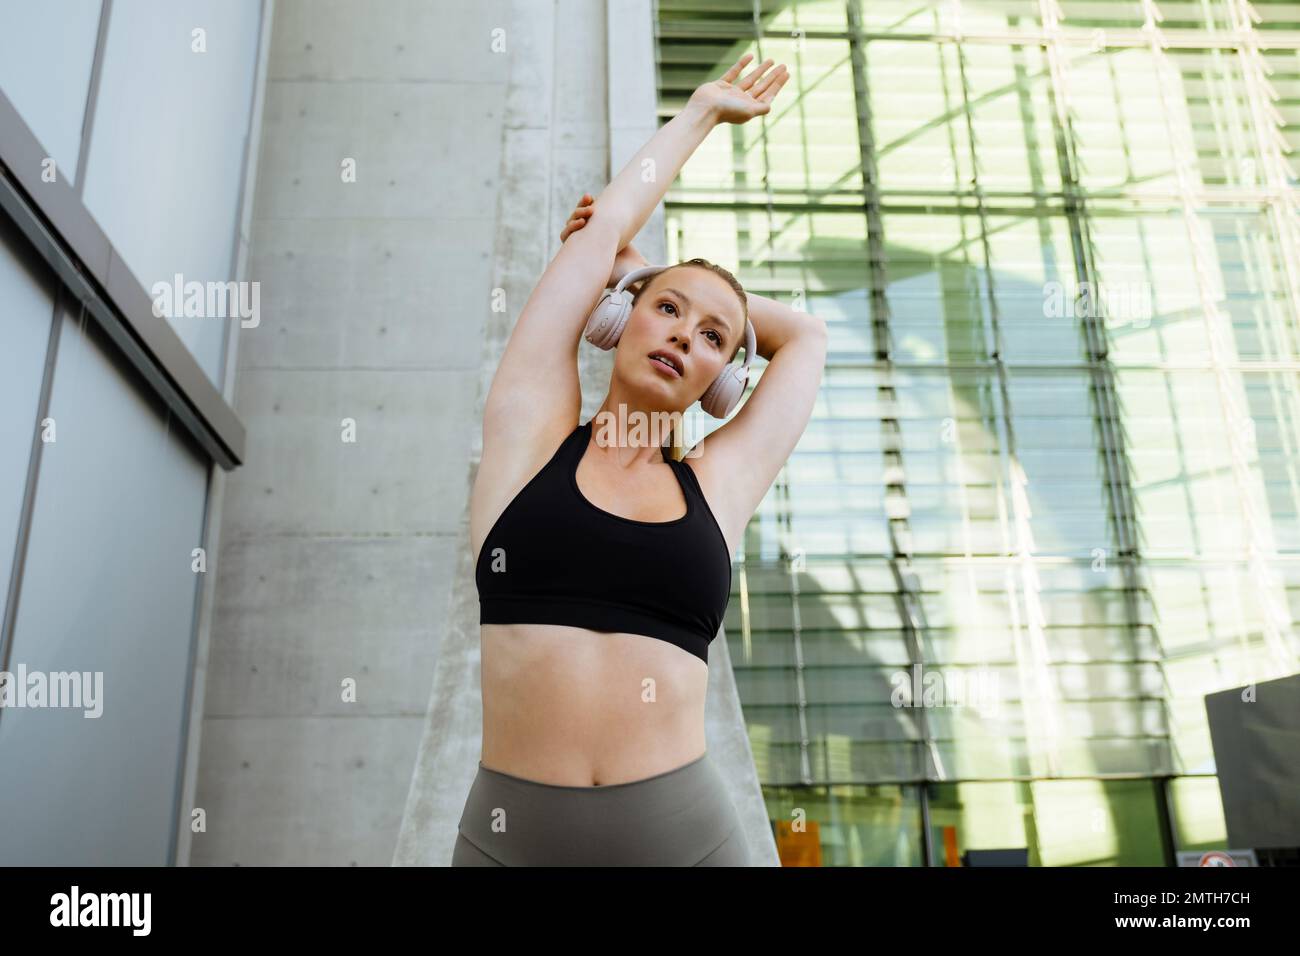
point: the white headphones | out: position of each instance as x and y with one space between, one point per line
611 314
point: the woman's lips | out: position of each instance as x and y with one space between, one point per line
664 367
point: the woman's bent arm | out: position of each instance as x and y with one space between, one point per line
745 454
776 323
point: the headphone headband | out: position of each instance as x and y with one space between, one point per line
643 272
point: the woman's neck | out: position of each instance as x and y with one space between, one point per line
657 430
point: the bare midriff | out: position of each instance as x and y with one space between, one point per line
577 708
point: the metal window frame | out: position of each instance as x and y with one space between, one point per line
66 236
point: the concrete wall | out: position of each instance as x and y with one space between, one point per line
350 561
336 557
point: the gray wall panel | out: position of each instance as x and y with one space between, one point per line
108 588
27 290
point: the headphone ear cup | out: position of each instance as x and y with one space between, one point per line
605 325
724 394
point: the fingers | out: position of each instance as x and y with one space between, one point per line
572 226
581 213
766 88
734 72
770 93
579 219
754 74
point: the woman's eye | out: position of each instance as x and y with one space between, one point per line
670 305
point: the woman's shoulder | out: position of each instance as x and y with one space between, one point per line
510 459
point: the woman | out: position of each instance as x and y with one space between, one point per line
603 563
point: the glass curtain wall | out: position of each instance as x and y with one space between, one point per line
1048 497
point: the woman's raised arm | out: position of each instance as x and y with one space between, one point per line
535 394
627 202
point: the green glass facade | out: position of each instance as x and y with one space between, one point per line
1051 478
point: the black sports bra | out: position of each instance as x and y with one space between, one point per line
553 557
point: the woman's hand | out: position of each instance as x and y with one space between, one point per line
736 101
627 259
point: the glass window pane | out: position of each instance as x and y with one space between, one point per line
1061 823
52 102
166 157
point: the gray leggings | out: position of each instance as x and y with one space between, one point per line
681 817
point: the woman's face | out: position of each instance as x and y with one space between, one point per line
689 316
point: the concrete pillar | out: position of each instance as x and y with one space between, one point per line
338 558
